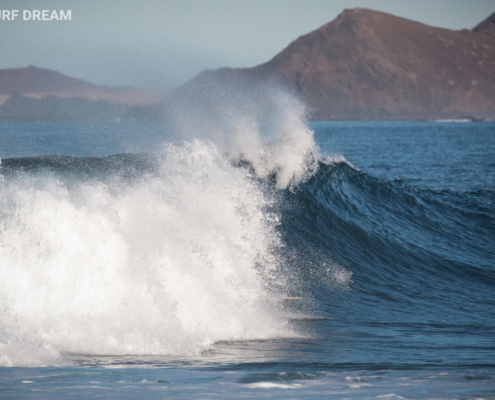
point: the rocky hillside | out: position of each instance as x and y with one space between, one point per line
367 64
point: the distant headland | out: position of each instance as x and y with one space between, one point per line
34 94
364 65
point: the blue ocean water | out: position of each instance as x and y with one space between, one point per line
131 267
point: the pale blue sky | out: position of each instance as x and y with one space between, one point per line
164 43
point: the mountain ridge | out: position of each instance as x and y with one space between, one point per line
367 64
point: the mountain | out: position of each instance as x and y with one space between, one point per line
35 94
487 26
367 64
39 80
364 64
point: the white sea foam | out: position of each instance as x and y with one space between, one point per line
168 264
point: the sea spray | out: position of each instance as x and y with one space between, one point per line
256 122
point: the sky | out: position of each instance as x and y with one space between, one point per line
163 43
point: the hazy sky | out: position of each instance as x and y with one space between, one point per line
163 42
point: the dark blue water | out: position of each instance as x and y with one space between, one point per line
454 156
392 252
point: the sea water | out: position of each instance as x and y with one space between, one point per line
133 265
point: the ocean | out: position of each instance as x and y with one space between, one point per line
286 260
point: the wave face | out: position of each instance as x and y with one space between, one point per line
382 227
422 265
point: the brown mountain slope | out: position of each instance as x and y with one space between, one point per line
372 65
